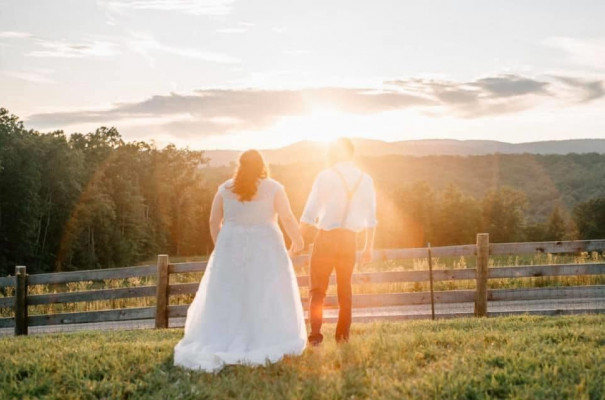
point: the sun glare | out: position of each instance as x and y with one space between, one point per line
323 124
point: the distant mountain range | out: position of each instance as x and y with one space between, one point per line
314 151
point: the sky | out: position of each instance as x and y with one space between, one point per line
266 73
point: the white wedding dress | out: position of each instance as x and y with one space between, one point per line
247 309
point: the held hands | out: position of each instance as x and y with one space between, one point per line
297 246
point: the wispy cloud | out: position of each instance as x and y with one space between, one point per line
195 7
61 48
485 96
509 85
14 35
145 44
31 76
220 111
217 111
590 89
64 49
585 52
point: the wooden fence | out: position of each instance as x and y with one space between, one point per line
162 291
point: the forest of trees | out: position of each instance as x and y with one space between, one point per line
92 200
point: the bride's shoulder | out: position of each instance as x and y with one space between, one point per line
225 185
272 184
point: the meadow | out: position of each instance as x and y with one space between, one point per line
521 357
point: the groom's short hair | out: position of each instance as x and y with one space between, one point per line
341 149
346 144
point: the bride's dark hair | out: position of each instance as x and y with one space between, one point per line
251 168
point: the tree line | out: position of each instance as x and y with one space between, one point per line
93 200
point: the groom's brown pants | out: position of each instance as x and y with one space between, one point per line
333 250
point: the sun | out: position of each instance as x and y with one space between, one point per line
323 124
326 122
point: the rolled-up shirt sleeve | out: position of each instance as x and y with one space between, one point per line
371 220
311 212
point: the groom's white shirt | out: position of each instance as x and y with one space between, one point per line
326 203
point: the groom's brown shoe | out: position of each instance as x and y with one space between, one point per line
315 341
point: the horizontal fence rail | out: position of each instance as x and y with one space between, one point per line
574 246
303 281
6 281
92 275
187 267
162 290
91 295
123 314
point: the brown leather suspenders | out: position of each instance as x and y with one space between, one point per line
350 194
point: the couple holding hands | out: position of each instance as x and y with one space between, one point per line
247 309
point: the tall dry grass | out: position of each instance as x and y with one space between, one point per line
366 288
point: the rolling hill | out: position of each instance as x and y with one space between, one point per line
314 151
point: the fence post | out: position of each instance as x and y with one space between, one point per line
430 257
481 276
20 300
161 311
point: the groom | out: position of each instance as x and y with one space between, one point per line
341 204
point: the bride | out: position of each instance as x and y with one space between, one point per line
247 309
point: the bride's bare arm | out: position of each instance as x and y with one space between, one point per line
289 222
216 216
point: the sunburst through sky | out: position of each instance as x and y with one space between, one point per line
267 73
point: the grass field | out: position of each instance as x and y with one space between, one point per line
513 357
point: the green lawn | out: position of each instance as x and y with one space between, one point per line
514 357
